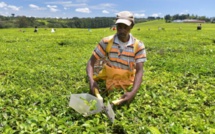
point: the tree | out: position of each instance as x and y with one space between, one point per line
175 17
202 17
167 18
151 18
22 22
184 16
13 15
212 20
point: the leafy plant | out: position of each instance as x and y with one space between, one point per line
37 76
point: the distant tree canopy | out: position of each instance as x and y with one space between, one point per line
169 18
90 22
153 18
75 22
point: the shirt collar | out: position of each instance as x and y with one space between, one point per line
130 41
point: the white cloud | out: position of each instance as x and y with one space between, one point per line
156 15
184 12
76 5
52 8
139 15
104 6
12 7
49 6
66 4
5 13
83 10
2 5
35 7
105 11
63 3
80 1
60 2
15 8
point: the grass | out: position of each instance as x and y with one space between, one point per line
38 72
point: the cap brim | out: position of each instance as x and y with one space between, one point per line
124 21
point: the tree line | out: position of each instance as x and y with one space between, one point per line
169 18
75 22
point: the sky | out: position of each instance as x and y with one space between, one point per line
105 8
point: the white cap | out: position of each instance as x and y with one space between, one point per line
125 17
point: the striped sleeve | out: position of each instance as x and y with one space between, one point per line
140 55
99 52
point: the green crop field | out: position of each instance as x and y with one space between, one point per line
39 71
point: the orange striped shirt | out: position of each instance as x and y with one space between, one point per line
121 57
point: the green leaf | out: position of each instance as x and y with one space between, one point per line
154 130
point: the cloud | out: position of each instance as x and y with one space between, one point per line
2 5
60 2
105 11
104 6
52 8
184 12
12 7
76 5
83 10
35 7
15 8
82 1
63 3
139 15
66 4
156 15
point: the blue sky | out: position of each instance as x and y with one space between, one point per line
107 8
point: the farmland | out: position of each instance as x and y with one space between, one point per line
39 71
